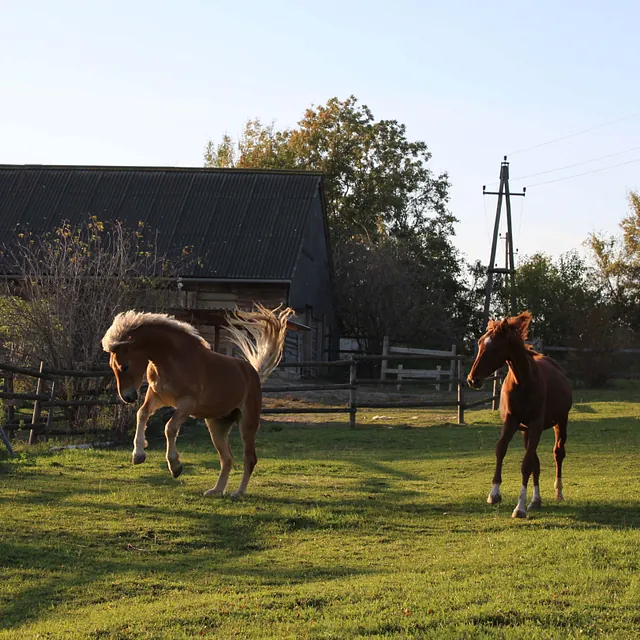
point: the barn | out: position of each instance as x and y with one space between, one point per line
259 236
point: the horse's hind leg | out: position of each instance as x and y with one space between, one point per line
559 454
249 423
171 429
536 500
219 430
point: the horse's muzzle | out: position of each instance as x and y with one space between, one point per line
474 383
129 396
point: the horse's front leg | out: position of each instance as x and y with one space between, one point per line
149 406
171 429
536 500
528 467
509 427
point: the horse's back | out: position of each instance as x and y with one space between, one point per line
559 395
228 370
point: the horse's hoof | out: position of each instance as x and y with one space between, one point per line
494 499
213 493
139 458
176 471
534 504
517 513
236 495
560 498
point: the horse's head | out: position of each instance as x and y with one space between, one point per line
129 366
494 346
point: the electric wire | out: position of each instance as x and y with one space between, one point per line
584 173
575 133
569 166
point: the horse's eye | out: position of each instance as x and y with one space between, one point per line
125 367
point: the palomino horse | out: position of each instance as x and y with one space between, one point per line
536 395
183 372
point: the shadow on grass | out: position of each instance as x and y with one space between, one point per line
138 574
583 408
177 539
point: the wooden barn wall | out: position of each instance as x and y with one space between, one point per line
311 292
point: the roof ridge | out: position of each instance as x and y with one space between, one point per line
76 167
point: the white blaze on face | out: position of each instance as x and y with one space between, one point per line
487 341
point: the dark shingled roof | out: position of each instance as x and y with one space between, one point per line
242 224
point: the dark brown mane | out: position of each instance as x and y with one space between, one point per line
502 327
531 351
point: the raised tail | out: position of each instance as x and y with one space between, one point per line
268 329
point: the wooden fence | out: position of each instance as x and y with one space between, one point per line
413 374
45 400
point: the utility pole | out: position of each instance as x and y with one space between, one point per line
509 269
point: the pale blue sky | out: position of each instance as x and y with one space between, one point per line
148 83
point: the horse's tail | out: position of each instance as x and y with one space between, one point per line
268 329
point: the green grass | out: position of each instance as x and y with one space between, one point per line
381 531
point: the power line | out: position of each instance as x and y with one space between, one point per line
576 133
585 173
577 164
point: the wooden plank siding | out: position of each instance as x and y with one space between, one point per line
205 305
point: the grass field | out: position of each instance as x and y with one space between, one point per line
381 531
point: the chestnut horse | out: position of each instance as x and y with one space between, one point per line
536 395
183 372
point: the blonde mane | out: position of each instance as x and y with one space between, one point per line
127 321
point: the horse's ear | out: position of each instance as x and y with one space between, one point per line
521 324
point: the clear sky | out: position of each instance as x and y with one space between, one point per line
148 83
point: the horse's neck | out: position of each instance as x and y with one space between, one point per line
520 363
161 346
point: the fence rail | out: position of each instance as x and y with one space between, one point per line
46 401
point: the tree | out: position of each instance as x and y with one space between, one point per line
376 179
555 292
63 290
570 308
387 214
66 286
617 262
389 292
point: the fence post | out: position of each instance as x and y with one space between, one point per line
7 387
452 367
495 403
3 437
438 377
385 352
400 367
52 399
352 393
460 394
35 419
